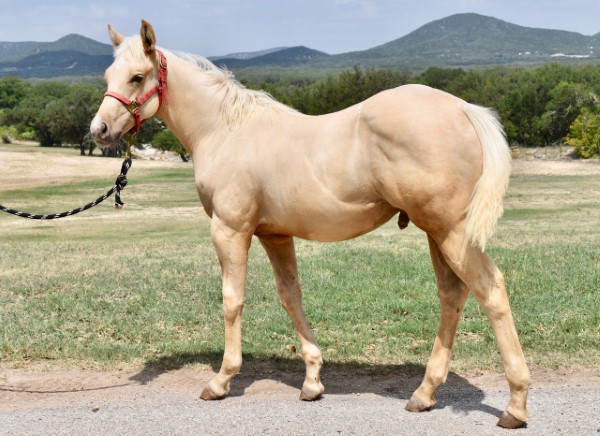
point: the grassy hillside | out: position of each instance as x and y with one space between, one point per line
472 39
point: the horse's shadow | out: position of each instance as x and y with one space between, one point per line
395 381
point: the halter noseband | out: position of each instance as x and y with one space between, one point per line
133 106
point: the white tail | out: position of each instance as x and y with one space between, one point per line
486 203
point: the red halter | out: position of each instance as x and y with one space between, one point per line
133 106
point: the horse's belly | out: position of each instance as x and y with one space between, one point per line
328 223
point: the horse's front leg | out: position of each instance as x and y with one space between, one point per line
232 250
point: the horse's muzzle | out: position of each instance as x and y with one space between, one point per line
102 134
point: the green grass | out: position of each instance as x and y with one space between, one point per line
142 285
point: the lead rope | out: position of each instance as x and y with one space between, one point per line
120 184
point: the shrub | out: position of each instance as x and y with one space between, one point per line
584 134
7 134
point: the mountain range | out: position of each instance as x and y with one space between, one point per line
461 40
71 55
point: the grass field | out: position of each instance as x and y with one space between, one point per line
141 286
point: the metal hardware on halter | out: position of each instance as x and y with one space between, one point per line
133 107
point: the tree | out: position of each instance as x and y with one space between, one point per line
58 113
440 78
566 103
477 87
521 115
167 141
29 112
584 133
347 89
12 91
69 117
150 127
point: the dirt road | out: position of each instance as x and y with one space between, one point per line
265 401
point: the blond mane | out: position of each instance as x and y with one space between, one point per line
239 102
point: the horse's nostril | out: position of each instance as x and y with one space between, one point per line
100 130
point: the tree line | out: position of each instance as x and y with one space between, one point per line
54 114
548 105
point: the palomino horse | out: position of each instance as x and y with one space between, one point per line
264 169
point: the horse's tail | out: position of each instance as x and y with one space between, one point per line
486 202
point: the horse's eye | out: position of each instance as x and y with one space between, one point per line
137 78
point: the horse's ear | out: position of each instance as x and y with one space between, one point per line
115 37
148 37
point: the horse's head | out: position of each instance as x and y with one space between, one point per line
136 86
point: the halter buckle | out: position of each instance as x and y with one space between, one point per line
133 107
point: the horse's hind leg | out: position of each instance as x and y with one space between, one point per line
280 250
452 294
486 282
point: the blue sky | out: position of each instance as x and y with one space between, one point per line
217 27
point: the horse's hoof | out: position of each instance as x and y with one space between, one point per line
312 393
309 397
209 395
507 420
416 405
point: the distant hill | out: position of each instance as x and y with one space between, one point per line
246 55
461 40
57 64
472 39
287 57
71 55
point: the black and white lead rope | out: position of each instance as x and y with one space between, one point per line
120 184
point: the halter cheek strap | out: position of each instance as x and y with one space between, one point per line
133 106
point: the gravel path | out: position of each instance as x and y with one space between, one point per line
363 403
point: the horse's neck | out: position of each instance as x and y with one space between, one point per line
192 113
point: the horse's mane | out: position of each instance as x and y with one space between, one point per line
239 101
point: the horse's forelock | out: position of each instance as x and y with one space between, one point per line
132 45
